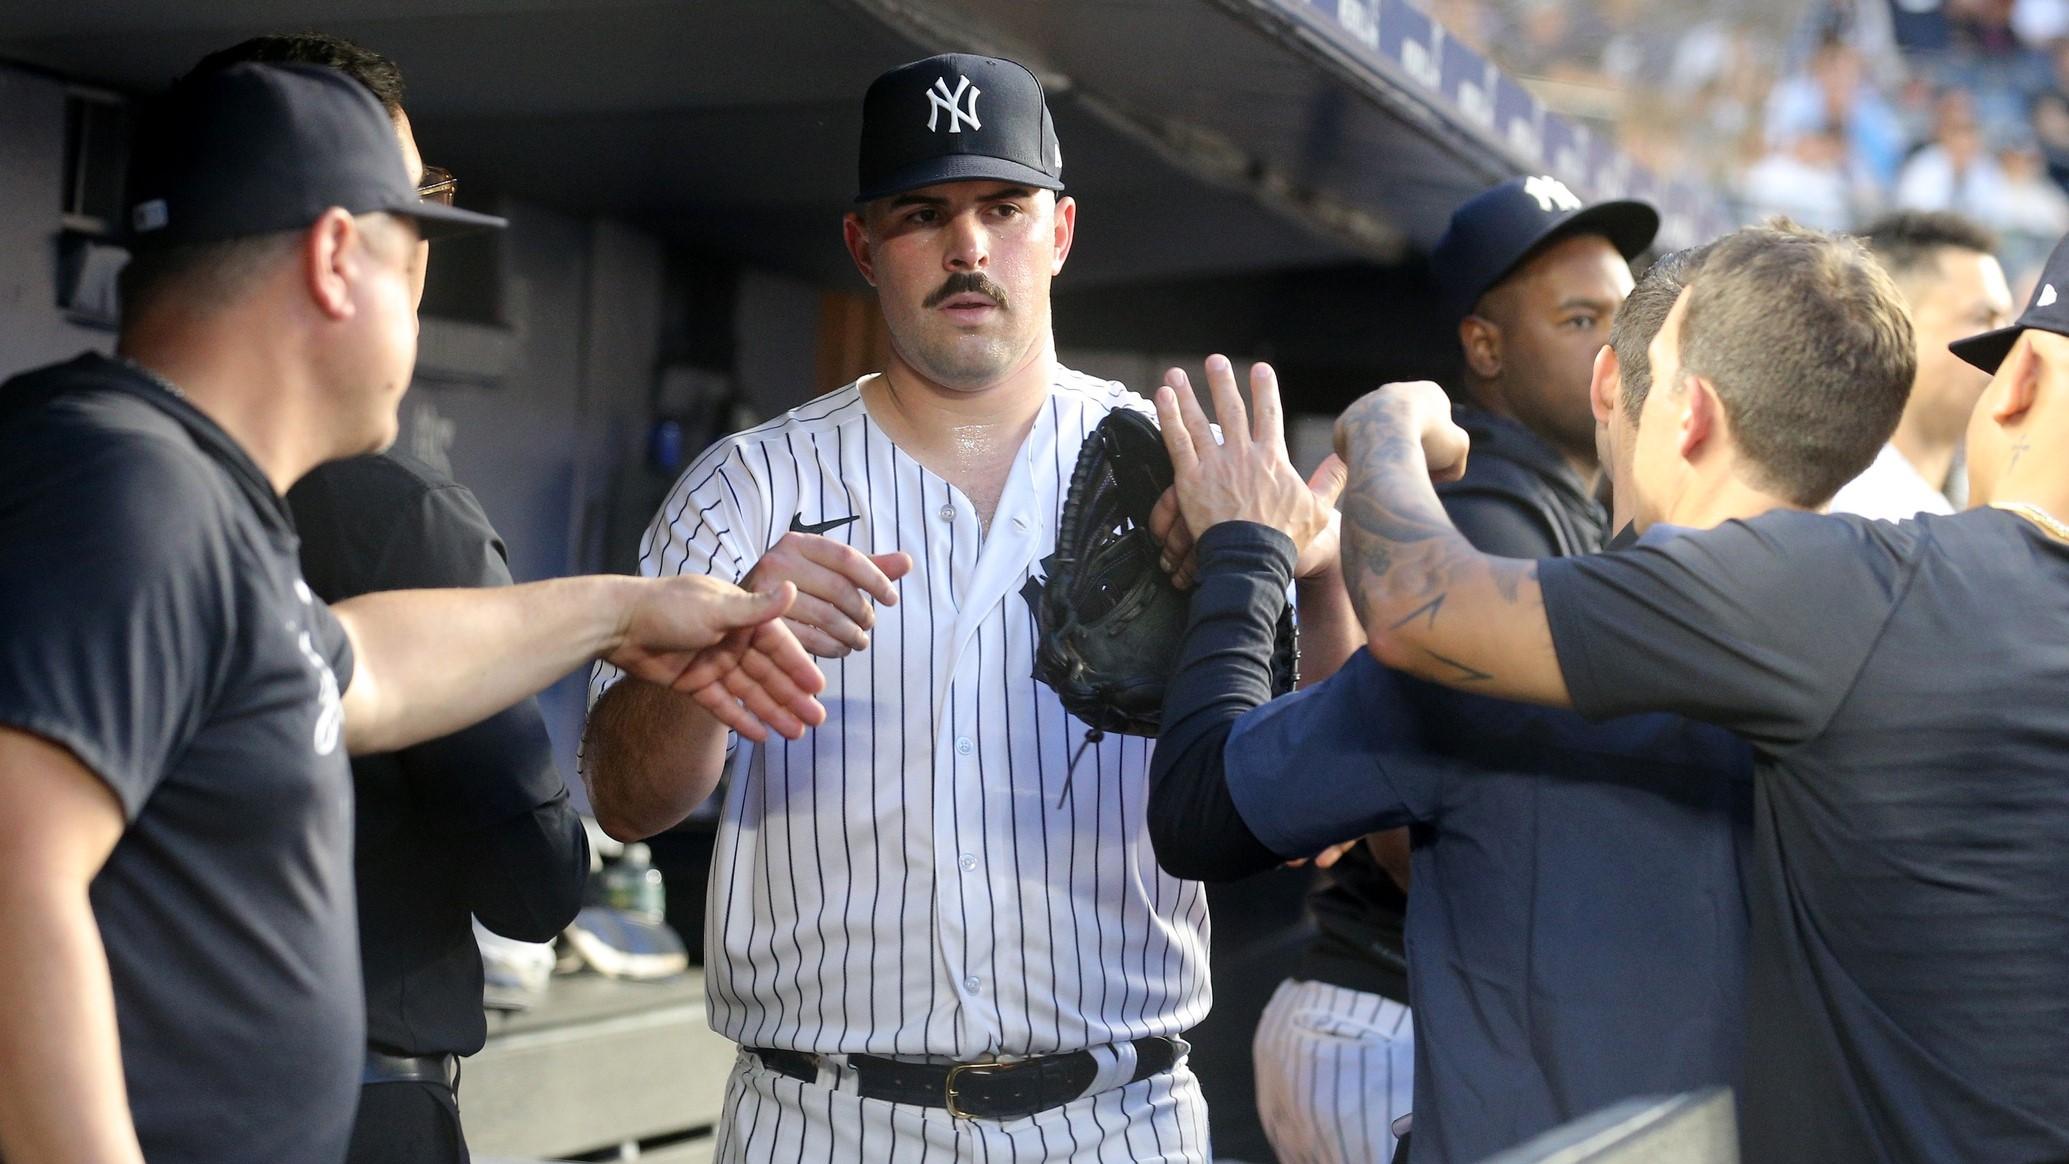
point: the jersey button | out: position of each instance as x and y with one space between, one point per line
963 746
948 513
972 983
968 862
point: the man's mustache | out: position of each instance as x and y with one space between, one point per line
965 282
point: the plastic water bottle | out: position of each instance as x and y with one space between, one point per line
634 885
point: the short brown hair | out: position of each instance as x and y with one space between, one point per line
379 75
1806 341
1639 319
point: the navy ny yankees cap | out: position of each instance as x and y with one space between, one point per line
956 118
1494 232
2048 310
253 149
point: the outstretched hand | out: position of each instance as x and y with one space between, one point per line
1247 475
1167 525
728 648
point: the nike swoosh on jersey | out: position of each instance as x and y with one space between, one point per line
797 523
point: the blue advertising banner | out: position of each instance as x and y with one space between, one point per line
1412 55
1567 147
1520 119
1408 38
1469 81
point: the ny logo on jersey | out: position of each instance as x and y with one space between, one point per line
959 108
1551 194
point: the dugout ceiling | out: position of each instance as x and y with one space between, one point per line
1285 157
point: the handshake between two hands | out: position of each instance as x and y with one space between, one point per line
1247 474
745 654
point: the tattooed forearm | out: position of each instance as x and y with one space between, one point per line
1430 603
1419 587
1429 608
1399 545
1509 578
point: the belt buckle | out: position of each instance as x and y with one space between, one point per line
955 1110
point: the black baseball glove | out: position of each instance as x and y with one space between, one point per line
1109 623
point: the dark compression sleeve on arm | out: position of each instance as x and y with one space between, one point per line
1224 670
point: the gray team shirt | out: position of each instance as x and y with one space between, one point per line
153 620
1903 687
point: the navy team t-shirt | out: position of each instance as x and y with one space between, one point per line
1906 689
153 621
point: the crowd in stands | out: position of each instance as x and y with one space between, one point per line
1832 112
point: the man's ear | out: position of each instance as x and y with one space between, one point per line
331 263
1702 417
2011 392
1606 386
1066 217
1480 337
855 233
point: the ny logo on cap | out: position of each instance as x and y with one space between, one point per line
1551 194
959 110
2047 296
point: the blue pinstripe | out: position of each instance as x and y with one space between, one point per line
801 956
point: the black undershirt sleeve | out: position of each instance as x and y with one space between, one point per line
1224 670
490 791
494 787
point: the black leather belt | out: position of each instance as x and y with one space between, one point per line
987 1091
382 1067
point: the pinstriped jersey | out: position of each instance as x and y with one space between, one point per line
910 878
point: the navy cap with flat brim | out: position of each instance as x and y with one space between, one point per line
1988 350
958 168
1493 234
2047 311
956 117
1629 225
436 220
259 148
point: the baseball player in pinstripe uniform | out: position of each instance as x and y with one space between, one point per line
924 948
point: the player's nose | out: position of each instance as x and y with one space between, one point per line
968 247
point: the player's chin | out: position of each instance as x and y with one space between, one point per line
385 441
968 358
379 440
